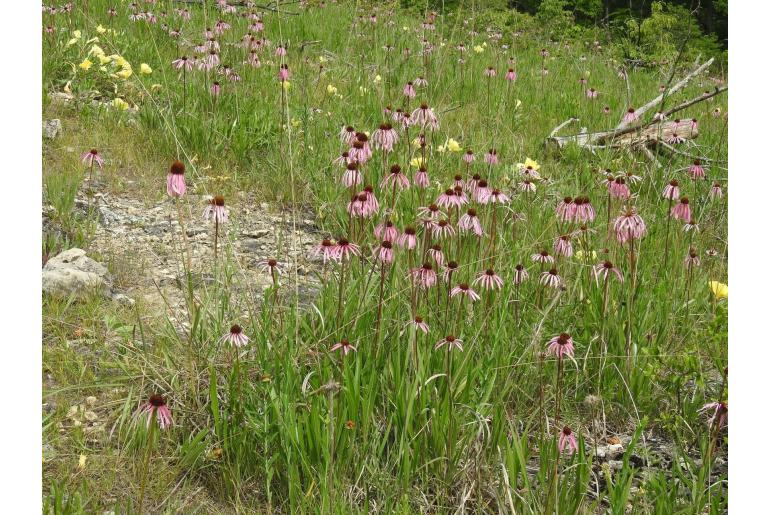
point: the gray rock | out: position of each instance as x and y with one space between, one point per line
616 465
52 128
73 273
615 450
123 300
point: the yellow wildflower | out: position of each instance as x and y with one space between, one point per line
145 69
452 145
82 461
417 162
579 254
331 89
529 163
96 50
100 29
478 49
124 73
85 65
76 34
286 85
718 289
377 79
103 59
119 103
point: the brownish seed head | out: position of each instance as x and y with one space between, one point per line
219 200
395 169
410 231
157 400
177 168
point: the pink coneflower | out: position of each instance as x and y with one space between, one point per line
551 278
283 73
481 190
619 189
692 259
448 199
362 144
325 249
674 139
344 346
716 191
582 81
386 231
542 257
566 210
491 158
442 229
216 89
510 75
473 183
253 59
496 196
520 274
561 346
421 179
602 270
156 408
449 270
659 117
418 323
351 177
345 249
396 178
630 115
343 159
567 440
348 135
385 137
682 211
92 157
425 117
490 72
563 246
235 337
451 342
280 51
691 225
544 53
591 93
671 191
216 210
696 170
431 212
424 277
357 206
183 63
458 181
438 256
489 280
420 81
719 416
584 211
408 239
629 225
716 113
221 27
606 110
470 222
385 252
175 185
271 266
409 91
468 157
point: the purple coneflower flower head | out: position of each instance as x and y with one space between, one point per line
216 89
480 190
442 229
674 139
563 246
345 249
408 239
326 249
351 177
385 252
520 274
561 346
216 210
425 117
409 91
235 337
696 170
421 179
344 346
692 225
156 407
418 323
567 441
591 93
542 257
585 212
396 178
385 137
182 63
491 158
719 414
496 196
470 222
91 157
438 256
451 343
425 276
348 135
175 185
466 291
671 191
630 115
551 278
280 51
510 75
490 72
716 191
603 270
682 210
449 270
606 110
629 226
619 189
527 186
448 199
386 231
283 73
468 157
692 259
489 280
566 210
271 266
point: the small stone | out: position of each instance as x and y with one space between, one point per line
73 273
123 300
91 400
90 416
616 465
615 450
52 128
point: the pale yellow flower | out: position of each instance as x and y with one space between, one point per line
331 89
124 73
96 50
156 87
100 29
286 85
579 254
76 34
452 145
103 59
529 163
377 79
145 69
718 289
82 461
417 162
86 65
478 49
119 103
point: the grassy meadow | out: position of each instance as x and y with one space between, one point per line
451 354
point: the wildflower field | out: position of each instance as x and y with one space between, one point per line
379 257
